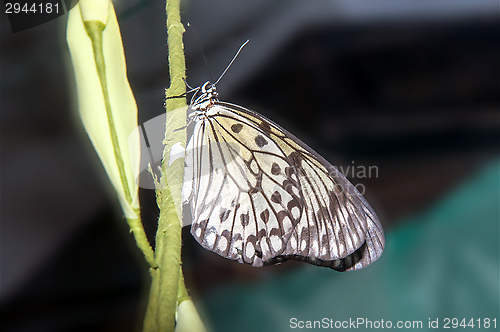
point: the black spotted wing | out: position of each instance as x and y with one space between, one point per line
261 196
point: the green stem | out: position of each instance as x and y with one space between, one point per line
167 279
94 30
168 256
152 309
141 240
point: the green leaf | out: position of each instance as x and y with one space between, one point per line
106 103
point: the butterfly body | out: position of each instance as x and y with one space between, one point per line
261 196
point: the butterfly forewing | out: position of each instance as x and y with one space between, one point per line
244 200
260 196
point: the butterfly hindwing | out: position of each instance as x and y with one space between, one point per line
337 221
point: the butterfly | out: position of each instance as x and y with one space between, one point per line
261 196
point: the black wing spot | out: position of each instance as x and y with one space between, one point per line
265 125
275 169
260 141
224 214
237 127
295 157
245 220
276 197
265 216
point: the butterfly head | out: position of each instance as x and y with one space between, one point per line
208 89
208 95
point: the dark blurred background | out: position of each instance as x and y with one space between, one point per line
411 87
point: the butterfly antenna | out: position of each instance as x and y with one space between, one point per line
229 65
202 53
191 89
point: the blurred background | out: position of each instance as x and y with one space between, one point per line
408 87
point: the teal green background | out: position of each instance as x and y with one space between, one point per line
443 263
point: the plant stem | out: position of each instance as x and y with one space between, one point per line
94 30
168 256
167 279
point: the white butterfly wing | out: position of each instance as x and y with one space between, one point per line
240 208
261 196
